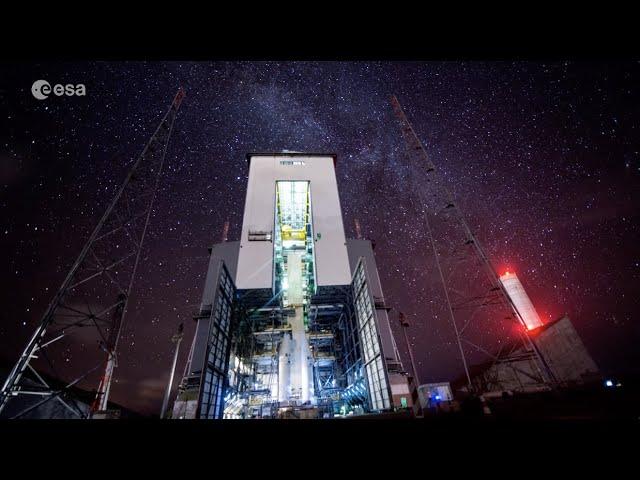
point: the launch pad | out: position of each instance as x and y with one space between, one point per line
292 322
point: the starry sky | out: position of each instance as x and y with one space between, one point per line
544 159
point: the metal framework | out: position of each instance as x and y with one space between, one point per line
213 376
466 289
78 334
375 371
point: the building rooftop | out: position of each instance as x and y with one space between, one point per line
288 153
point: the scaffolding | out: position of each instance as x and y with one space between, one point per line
259 325
464 285
91 304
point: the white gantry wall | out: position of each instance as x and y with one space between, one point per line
255 261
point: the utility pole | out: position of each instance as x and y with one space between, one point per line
405 325
225 231
177 339
358 231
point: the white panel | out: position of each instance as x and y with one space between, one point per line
399 389
521 300
255 262
332 261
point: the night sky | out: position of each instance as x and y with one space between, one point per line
544 159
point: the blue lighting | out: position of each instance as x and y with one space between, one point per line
608 383
437 397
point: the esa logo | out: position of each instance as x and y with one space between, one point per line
41 89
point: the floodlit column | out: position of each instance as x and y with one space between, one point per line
521 300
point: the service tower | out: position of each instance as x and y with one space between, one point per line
293 322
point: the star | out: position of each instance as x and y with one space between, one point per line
543 161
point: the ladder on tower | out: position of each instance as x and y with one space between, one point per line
472 297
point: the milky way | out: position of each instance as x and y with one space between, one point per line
543 158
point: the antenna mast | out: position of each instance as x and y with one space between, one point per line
475 299
91 304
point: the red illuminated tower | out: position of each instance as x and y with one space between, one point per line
463 287
521 300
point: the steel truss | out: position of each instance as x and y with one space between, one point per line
257 322
79 332
466 288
